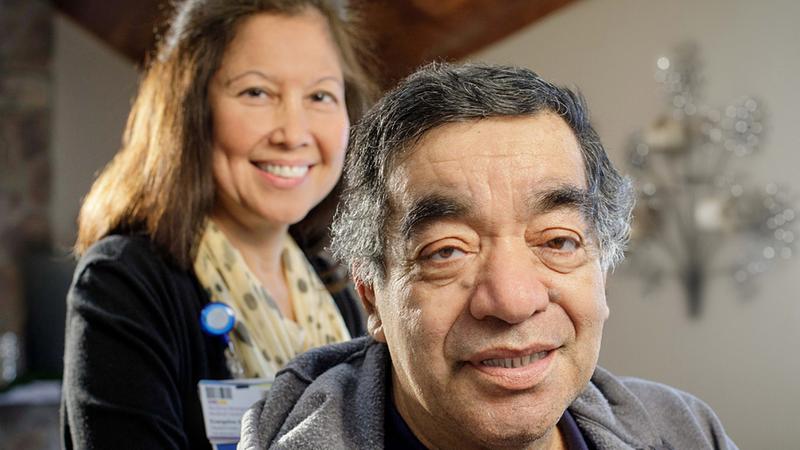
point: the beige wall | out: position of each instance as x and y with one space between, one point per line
741 357
93 87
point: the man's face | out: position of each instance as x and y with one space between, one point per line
493 303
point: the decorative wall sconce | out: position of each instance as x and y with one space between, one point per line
696 216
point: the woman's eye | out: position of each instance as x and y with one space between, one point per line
323 97
446 253
253 93
563 244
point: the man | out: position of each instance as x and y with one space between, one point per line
481 217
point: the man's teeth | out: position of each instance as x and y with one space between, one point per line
284 171
510 363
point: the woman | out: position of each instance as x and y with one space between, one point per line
237 132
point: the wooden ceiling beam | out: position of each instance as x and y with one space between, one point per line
410 33
405 33
128 26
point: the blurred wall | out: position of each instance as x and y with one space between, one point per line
93 88
740 357
26 52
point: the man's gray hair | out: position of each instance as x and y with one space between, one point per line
439 94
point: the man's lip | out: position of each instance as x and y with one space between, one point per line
508 352
512 369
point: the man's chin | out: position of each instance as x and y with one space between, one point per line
514 439
510 430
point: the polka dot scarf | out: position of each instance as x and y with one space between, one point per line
264 340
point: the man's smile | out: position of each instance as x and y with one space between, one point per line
514 369
513 363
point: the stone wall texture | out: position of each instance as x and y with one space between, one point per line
26 35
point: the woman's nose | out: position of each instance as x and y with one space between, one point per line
291 126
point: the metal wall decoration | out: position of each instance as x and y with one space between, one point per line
697 214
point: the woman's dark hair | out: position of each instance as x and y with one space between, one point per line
161 183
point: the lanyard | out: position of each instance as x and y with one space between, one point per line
218 319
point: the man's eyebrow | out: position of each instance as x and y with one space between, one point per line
564 196
428 209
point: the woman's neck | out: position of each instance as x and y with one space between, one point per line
261 247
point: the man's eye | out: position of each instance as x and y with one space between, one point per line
563 244
446 253
562 253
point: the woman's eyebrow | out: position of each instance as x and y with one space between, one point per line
235 78
333 78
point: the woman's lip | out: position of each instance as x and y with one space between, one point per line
283 162
281 182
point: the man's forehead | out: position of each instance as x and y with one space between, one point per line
541 146
515 167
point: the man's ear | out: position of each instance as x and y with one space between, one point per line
374 322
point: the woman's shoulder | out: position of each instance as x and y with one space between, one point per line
131 260
127 276
131 252
119 247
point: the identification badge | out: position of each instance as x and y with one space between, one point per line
224 403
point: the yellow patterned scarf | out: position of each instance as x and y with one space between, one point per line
264 340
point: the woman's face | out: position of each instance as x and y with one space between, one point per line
280 122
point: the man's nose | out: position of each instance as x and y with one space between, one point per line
510 286
291 125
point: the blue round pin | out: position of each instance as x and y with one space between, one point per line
217 318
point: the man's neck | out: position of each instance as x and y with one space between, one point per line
553 440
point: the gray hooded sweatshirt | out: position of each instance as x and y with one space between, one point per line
334 397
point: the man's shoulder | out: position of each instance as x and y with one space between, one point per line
655 393
622 412
317 362
329 396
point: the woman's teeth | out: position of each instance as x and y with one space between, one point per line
284 171
510 363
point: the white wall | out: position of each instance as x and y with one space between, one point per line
741 357
92 87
